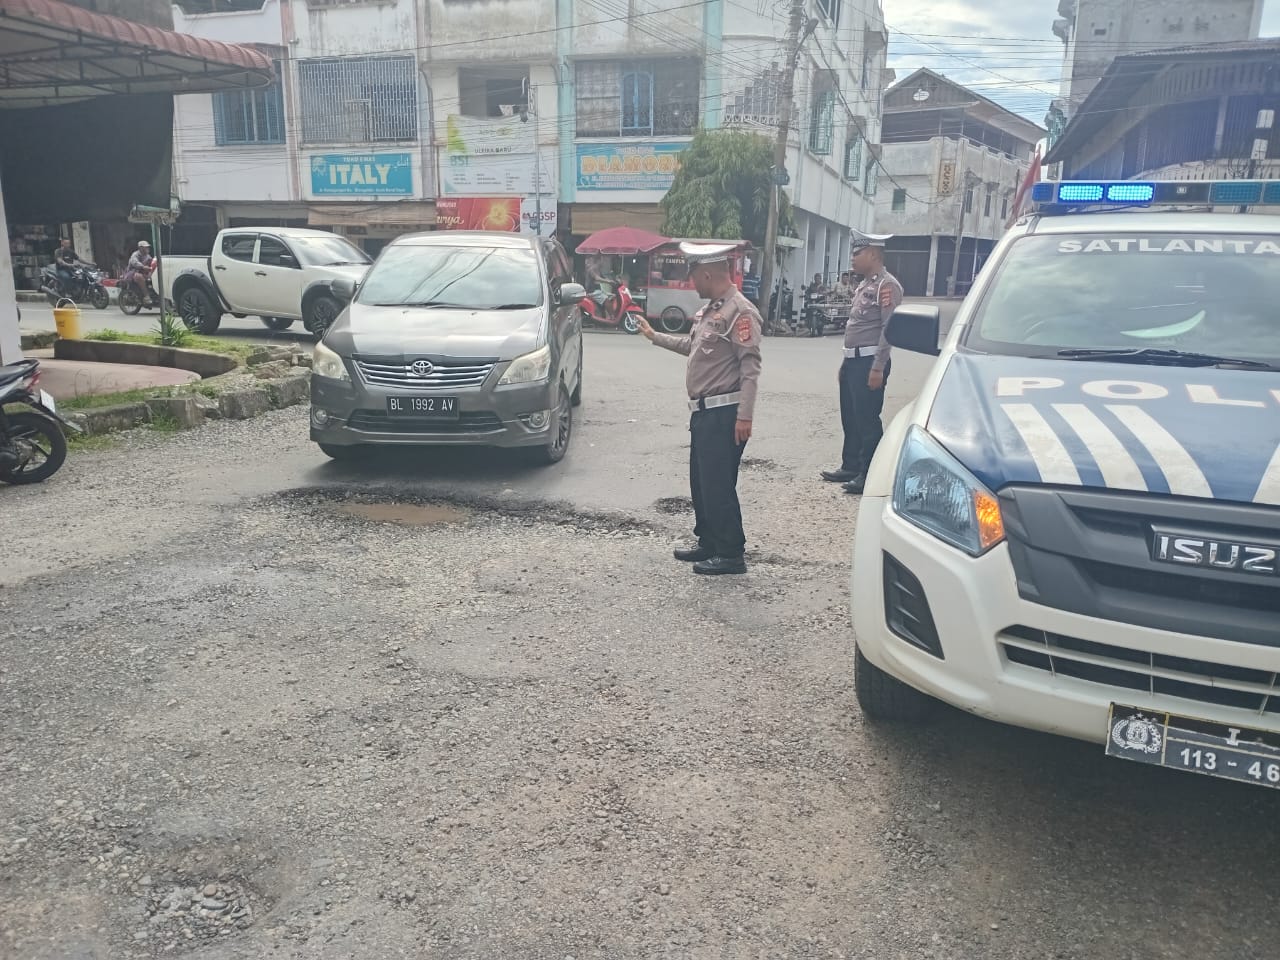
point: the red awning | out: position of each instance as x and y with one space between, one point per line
619 241
53 52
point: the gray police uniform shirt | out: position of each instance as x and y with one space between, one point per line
723 347
867 317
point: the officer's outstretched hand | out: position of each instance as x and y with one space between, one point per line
645 328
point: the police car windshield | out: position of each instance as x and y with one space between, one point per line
1206 293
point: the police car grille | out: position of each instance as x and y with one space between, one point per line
1101 663
443 375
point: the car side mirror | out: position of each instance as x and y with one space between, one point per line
288 261
915 328
571 293
344 288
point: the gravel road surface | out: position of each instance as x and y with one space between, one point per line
256 705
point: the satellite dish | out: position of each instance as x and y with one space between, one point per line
921 95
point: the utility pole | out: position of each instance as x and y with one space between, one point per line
531 107
797 32
971 182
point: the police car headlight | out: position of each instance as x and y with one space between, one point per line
937 494
326 363
531 368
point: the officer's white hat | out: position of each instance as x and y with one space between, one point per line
696 254
861 240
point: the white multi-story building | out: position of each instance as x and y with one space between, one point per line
953 161
394 115
1096 32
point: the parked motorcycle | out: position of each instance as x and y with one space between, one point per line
613 310
32 444
85 286
131 300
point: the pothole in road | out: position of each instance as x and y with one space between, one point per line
406 514
673 505
182 916
758 463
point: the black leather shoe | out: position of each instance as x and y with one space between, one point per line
856 485
719 566
838 476
694 554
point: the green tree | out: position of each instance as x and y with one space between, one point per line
721 190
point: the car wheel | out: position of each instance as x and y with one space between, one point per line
672 320
343 453
198 312
276 323
321 314
576 399
561 430
886 698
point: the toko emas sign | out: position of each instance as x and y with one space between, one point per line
362 174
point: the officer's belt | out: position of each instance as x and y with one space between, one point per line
708 403
857 353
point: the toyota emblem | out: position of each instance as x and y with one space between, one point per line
421 368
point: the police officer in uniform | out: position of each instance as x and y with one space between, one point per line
723 347
865 369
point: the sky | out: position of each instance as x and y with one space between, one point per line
1004 49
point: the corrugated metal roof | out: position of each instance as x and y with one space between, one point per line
55 52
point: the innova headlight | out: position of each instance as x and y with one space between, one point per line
531 368
326 363
936 493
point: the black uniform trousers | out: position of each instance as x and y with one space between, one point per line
860 409
714 458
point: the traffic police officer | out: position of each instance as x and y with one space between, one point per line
865 369
723 347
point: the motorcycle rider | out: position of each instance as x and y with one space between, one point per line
139 271
67 261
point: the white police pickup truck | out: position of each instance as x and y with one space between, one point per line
1076 526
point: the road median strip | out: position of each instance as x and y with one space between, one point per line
241 381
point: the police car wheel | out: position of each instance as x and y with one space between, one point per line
885 698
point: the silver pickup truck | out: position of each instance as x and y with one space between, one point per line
278 274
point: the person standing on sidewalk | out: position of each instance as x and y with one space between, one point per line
865 369
723 347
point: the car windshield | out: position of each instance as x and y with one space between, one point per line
465 277
1154 293
328 251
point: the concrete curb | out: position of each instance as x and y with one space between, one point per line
281 378
203 362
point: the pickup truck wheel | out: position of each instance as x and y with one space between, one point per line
198 312
276 323
321 314
887 698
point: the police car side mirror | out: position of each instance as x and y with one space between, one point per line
914 327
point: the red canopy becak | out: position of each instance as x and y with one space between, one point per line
622 241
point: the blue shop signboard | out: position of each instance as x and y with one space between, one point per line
362 174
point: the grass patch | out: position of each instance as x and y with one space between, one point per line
239 349
82 443
91 401
171 332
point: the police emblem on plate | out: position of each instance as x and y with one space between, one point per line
1137 733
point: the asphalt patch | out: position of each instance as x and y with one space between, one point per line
674 505
407 514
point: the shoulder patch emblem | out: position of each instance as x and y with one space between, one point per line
886 296
744 328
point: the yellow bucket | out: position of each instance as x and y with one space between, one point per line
67 320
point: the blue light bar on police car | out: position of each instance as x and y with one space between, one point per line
1147 193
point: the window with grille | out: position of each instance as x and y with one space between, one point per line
899 200
986 212
968 200
1004 209
249 116
831 9
853 157
637 98
871 181
822 122
358 99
